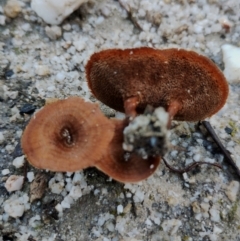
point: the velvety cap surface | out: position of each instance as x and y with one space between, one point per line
158 77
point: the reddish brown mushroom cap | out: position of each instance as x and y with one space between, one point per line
67 135
158 77
125 167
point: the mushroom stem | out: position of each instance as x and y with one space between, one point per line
172 110
130 105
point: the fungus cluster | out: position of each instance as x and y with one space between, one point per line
71 134
151 86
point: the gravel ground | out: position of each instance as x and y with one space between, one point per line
39 61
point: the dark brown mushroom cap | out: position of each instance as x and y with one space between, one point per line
125 167
67 135
158 77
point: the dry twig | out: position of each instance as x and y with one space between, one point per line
225 152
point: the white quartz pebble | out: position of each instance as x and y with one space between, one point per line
54 12
231 59
53 32
16 205
119 209
30 176
14 183
18 161
5 172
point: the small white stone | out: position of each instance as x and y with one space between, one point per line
75 192
129 195
67 27
2 20
12 95
42 70
110 226
33 219
119 209
16 205
9 148
17 42
99 20
30 176
53 32
59 208
139 196
120 224
232 191
51 88
26 27
231 59
69 174
14 208
5 217
215 215
12 9
59 177
105 11
80 44
56 188
217 230
197 157
18 161
14 183
5 172
54 12
77 178
104 191
67 201
6 32
26 67
60 76
72 50
68 186
148 222
19 133
96 192
185 176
